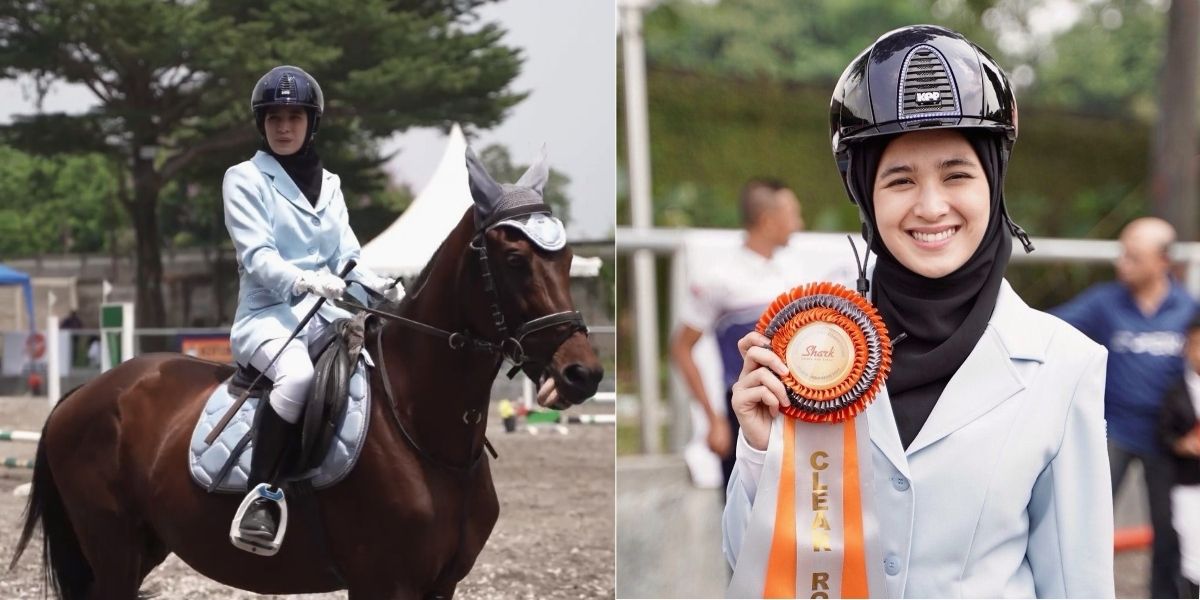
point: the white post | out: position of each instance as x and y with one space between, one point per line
127 331
644 303
52 361
527 393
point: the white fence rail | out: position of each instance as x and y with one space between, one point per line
671 242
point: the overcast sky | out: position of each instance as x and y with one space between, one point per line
570 74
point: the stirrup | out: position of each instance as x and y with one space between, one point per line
257 545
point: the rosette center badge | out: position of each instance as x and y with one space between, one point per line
836 348
820 355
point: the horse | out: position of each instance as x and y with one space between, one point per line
113 496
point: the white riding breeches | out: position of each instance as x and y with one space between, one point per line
292 373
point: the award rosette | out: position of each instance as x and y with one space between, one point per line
811 529
835 346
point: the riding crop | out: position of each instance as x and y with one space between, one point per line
229 414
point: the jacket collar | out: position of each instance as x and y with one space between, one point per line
284 185
1011 338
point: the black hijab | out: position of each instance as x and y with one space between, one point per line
941 318
304 167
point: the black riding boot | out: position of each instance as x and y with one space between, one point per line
271 445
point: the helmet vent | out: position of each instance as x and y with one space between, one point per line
926 88
287 86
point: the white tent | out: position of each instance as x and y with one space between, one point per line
408 243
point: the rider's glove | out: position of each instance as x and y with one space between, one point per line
321 283
391 289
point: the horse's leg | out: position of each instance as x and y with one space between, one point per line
154 552
113 547
397 592
444 592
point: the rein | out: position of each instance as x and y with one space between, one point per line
391 402
509 347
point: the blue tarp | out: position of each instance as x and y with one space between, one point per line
9 276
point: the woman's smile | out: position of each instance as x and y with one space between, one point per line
933 238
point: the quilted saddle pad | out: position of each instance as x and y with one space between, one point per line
206 462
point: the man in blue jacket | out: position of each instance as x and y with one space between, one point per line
1141 319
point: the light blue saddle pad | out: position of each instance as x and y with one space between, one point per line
205 461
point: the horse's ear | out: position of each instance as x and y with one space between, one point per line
484 190
535 178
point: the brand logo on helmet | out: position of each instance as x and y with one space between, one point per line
933 97
287 83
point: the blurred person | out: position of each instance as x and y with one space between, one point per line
71 321
726 299
74 342
987 447
290 229
93 352
1141 319
508 415
34 382
1180 433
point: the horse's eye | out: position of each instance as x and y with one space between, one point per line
517 260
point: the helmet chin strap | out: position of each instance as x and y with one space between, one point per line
863 284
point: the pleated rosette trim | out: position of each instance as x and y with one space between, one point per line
840 307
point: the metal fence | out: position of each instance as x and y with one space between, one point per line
82 361
650 415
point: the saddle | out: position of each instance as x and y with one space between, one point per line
333 354
339 379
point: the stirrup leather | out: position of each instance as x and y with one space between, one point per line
257 545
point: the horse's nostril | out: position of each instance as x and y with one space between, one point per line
579 376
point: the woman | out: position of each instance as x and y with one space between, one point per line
291 231
990 476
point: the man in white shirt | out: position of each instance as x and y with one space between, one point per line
727 295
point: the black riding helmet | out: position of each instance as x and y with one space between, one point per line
921 77
288 86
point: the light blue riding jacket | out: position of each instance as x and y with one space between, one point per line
1005 492
277 235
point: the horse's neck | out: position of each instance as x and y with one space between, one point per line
435 386
463 374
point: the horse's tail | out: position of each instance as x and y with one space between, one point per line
66 570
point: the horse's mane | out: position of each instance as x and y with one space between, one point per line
413 291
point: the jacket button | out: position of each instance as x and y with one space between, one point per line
316 221
891 565
900 483
312 250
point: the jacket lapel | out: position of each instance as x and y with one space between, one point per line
989 376
882 425
283 182
327 189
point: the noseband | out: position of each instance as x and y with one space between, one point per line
510 346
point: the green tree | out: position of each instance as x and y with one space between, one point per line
780 40
1105 62
55 204
499 164
172 79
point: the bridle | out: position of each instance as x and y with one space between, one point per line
510 346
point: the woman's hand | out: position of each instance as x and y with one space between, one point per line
323 284
389 288
758 393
